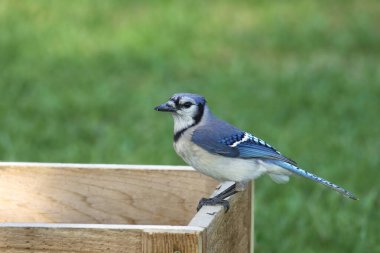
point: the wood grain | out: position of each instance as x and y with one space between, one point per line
69 240
24 238
177 241
227 232
52 194
101 194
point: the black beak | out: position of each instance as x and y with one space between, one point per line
165 107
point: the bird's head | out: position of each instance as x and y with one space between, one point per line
187 109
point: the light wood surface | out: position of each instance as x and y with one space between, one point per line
83 238
174 242
227 232
37 200
74 193
69 240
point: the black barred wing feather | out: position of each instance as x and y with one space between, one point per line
249 146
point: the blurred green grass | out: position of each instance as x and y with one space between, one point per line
79 81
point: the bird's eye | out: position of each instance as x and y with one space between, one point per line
187 104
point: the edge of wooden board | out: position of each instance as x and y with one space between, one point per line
96 166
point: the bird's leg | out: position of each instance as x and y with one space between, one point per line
219 199
227 192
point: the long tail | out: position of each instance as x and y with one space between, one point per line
313 177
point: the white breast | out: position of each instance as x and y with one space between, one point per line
217 166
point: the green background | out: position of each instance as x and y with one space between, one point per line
79 80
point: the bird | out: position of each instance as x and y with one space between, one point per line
222 151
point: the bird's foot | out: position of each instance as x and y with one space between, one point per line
213 202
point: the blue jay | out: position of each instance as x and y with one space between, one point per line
226 153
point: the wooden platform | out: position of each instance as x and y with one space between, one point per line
116 208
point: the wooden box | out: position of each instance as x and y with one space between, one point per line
117 208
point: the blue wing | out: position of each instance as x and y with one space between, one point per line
226 140
249 146
209 139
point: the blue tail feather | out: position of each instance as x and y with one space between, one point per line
303 173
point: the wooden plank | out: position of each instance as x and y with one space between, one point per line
160 241
97 194
102 194
44 239
82 238
227 232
